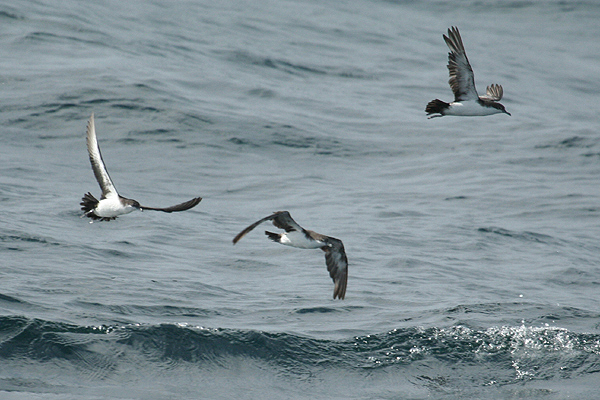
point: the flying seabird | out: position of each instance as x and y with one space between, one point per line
297 236
111 204
466 100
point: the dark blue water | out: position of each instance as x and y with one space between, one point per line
472 242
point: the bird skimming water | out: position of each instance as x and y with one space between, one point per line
297 236
111 204
462 82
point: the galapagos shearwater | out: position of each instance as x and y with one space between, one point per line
297 236
462 82
111 204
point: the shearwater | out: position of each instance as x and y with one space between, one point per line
297 236
462 82
111 204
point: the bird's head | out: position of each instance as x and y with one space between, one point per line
500 108
132 204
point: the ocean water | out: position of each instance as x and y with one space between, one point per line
473 243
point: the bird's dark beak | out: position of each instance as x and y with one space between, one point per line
507 112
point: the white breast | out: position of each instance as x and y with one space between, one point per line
299 239
470 108
111 207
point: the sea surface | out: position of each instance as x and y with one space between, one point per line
473 243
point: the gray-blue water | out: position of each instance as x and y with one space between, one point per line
473 242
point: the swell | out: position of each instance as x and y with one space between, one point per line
510 353
293 68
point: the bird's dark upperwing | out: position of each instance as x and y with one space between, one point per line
179 207
281 219
100 172
337 265
462 81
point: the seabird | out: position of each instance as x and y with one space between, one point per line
466 100
297 236
111 204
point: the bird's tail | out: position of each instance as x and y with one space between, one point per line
436 107
276 237
88 203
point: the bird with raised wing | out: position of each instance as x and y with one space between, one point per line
111 204
297 236
462 82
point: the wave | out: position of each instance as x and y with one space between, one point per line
292 68
525 236
509 353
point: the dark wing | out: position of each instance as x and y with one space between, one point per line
108 189
494 92
179 207
462 81
281 219
337 265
